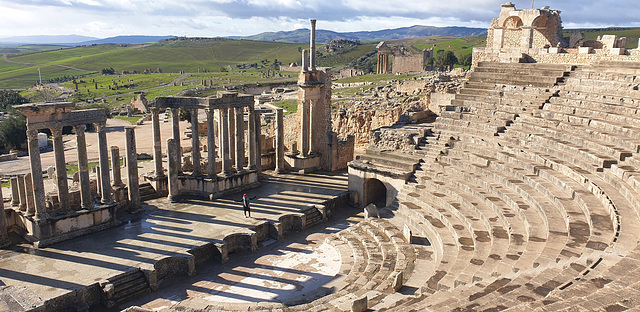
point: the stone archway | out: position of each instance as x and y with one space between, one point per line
374 192
546 31
512 32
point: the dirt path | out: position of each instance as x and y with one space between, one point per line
6 59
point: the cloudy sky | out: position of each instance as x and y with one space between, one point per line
210 18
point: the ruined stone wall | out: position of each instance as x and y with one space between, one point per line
567 56
407 64
490 36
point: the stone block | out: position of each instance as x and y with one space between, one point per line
371 211
398 280
406 231
618 51
359 305
585 50
555 50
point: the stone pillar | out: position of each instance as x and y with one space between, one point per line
4 238
175 119
61 168
251 136
83 168
22 191
195 142
498 38
132 166
258 129
15 193
105 184
312 126
279 140
231 116
157 143
36 174
173 157
115 166
28 188
224 140
304 129
527 38
312 46
239 111
305 61
211 143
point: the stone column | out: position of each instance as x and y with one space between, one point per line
195 142
175 119
61 168
157 143
304 129
312 126
132 166
15 193
224 140
105 184
173 157
83 168
211 143
115 166
4 238
36 174
305 61
28 188
258 142
251 137
312 45
22 191
231 116
498 38
279 141
239 111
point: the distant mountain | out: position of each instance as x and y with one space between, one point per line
126 40
44 39
323 36
75 40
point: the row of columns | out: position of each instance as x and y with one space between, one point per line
383 63
28 192
231 140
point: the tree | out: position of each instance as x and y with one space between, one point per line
13 132
465 59
184 114
9 98
108 71
445 58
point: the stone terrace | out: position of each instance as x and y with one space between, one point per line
172 236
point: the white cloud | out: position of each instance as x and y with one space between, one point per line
103 18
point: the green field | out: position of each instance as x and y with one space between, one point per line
631 34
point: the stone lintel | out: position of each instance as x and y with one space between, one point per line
223 99
72 118
34 109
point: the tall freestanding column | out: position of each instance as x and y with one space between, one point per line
304 129
157 142
251 134
239 111
83 168
4 238
195 142
211 143
132 166
312 130
105 184
15 192
115 166
224 140
36 172
175 119
312 43
279 141
61 168
173 159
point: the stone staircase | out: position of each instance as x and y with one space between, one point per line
124 287
147 192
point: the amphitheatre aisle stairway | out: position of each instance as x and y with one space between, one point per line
529 192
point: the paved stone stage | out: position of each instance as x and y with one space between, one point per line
164 229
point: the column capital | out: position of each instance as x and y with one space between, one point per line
100 126
79 129
32 134
56 132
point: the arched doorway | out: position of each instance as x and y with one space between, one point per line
374 192
512 32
